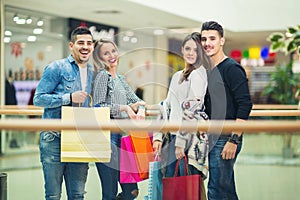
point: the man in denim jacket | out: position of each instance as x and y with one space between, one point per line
64 82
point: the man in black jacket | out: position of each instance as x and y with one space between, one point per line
228 98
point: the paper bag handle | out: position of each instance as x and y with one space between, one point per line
185 167
91 102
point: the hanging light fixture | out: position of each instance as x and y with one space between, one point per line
28 20
38 31
40 22
15 18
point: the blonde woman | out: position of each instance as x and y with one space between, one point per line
111 89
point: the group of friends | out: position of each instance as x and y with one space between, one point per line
209 76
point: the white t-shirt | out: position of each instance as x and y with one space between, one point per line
83 77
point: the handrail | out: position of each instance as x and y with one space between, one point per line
274 107
254 113
26 107
215 126
269 113
153 110
34 112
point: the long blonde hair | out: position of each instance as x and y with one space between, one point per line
99 64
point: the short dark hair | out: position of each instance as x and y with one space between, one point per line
80 30
212 25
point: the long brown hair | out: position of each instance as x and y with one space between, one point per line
202 58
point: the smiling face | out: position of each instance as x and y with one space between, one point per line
212 42
189 51
82 48
109 54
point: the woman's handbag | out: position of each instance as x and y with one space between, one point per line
85 145
182 187
128 167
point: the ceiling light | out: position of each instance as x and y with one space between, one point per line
28 20
21 21
126 38
134 40
15 18
31 38
38 31
8 33
40 22
158 32
6 39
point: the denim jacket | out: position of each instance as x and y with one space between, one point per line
60 79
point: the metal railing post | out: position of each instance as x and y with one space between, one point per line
3 186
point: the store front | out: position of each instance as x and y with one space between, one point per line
31 41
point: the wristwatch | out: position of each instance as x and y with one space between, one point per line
234 138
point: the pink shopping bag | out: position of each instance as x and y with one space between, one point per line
128 166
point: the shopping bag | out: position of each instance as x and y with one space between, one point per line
182 187
128 168
155 180
85 145
143 151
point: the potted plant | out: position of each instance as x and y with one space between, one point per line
284 84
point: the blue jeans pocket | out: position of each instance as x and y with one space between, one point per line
49 147
47 136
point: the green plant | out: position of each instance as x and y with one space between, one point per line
282 85
288 43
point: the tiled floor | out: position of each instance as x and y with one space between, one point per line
258 177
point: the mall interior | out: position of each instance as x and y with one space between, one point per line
149 35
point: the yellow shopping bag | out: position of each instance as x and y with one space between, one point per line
85 145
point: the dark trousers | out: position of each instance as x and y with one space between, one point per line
109 174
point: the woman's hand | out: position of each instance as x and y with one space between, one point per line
141 114
179 153
131 114
135 105
157 145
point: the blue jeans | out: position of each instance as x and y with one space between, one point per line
109 173
221 184
74 174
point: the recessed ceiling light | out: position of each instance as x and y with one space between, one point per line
15 18
21 21
6 39
126 38
158 32
38 31
134 40
8 33
40 22
31 38
28 20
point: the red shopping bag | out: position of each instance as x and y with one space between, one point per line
143 150
182 187
128 167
